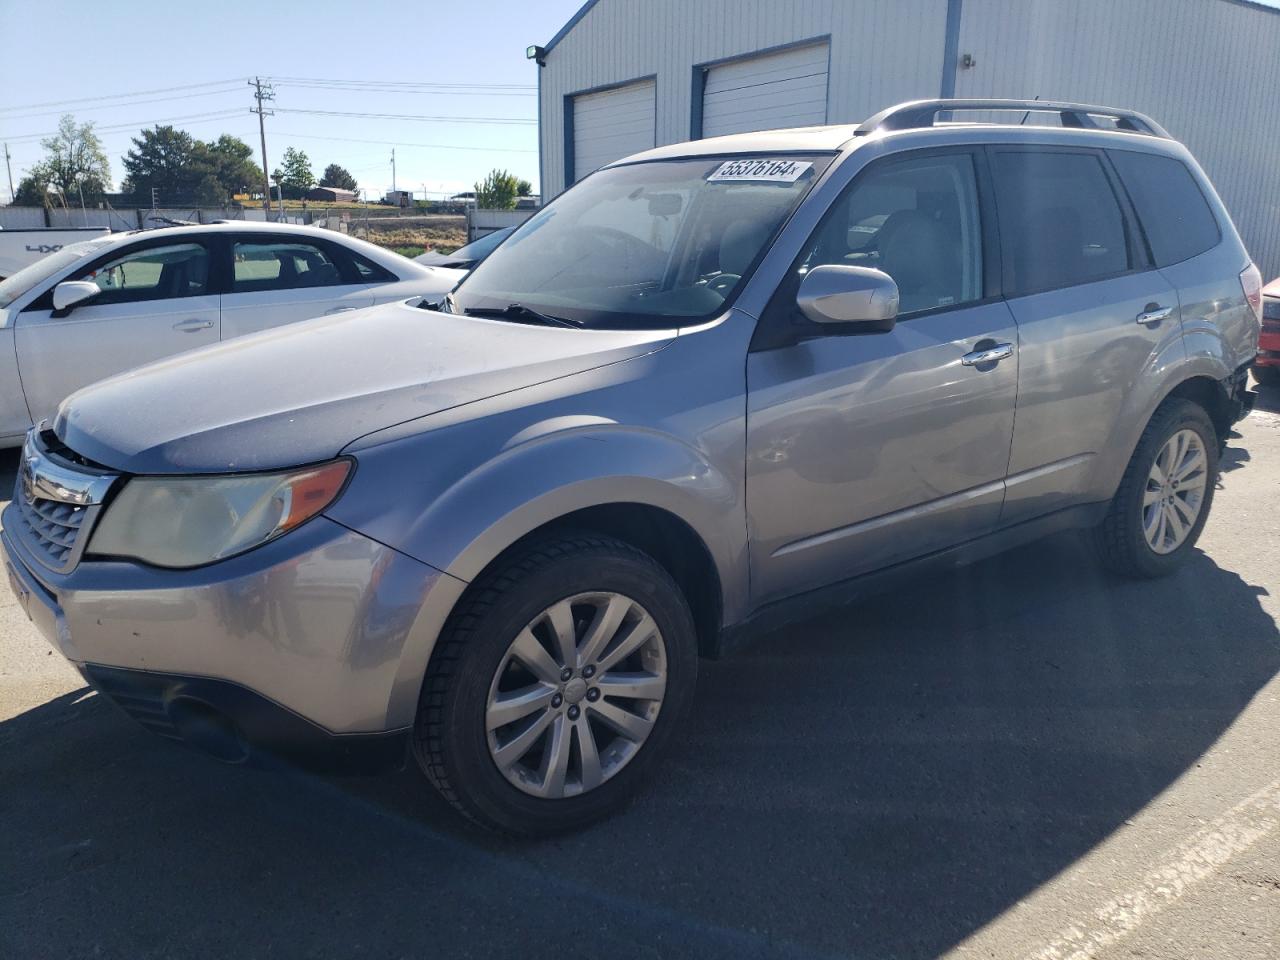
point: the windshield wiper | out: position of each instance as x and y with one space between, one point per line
522 314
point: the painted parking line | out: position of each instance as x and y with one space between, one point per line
1200 856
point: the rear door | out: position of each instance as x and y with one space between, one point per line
276 280
866 450
1091 311
154 302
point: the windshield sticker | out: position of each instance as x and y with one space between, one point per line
776 171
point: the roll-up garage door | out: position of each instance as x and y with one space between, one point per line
773 90
612 124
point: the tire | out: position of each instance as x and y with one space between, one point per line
1122 538
1267 376
476 659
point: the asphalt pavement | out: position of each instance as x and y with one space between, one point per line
1021 759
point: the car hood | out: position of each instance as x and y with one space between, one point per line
301 393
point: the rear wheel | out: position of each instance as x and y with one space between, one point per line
556 685
1163 502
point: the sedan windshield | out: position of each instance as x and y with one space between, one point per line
647 245
11 288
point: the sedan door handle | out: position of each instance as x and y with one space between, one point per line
994 354
190 326
338 310
1154 314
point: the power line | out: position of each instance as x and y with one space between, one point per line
401 143
407 83
259 94
139 124
131 103
407 116
120 96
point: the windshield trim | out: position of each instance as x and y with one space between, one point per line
823 160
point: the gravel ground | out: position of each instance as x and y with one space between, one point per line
1022 759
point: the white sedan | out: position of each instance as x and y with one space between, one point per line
106 305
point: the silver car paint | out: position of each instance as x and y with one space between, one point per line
685 421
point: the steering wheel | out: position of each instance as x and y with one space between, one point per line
722 283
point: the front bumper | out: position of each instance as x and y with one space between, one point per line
311 646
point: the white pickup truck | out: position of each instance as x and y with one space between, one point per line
20 248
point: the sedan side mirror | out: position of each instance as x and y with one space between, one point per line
70 292
861 296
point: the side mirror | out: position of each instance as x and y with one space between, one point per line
835 294
70 292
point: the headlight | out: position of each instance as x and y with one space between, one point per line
190 521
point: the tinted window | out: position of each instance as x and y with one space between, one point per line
282 265
1060 221
917 220
1175 215
370 272
153 273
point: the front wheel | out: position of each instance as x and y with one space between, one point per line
1164 498
556 685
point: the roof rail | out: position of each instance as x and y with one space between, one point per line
923 113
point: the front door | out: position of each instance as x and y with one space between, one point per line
866 450
154 301
282 280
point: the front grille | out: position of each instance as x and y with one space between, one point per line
57 497
53 529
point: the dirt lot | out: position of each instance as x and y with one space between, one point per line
436 232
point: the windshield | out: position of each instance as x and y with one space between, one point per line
647 245
31 276
479 249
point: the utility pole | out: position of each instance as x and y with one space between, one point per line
264 92
9 170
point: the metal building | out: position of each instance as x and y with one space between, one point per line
626 75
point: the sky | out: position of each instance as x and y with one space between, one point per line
463 62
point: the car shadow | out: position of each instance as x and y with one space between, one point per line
8 472
877 782
1268 398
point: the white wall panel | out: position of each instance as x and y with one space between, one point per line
786 88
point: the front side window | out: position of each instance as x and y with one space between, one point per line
644 246
1174 213
281 265
152 273
916 220
1060 221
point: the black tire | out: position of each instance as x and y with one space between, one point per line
1267 376
1119 539
450 740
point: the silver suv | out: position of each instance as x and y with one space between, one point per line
707 389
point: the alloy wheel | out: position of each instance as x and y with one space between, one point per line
576 695
1175 491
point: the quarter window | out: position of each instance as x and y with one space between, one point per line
282 265
1060 220
1174 213
916 220
153 273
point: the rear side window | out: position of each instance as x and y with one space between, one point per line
282 265
1061 223
1175 216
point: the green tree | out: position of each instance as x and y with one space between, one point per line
294 174
75 162
231 162
524 188
33 189
336 176
497 191
183 170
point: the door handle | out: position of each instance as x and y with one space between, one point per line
191 326
994 354
338 310
1153 314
